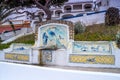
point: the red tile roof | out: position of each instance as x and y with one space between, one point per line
8 28
4 28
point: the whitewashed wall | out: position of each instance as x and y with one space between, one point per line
114 3
89 19
35 56
8 35
1 56
11 71
5 36
26 30
61 57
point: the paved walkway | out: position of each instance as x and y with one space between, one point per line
107 70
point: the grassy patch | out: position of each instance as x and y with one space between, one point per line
98 33
3 46
29 39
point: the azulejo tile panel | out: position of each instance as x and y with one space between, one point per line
53 35
91 47
47 56
69 23
92 59
17 57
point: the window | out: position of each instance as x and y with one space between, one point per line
75 7
58 12
67 8
88 7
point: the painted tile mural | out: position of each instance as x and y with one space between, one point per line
92 59
47 56
53 35
20 52
17 57
92 47
21 48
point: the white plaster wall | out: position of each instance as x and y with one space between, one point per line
5 36
35 56
60 57
33 25
1 55
117 57
10 71
24 30
29 30
116 52
114 3
89 19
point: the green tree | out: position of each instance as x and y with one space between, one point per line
5 11
41 4
112 16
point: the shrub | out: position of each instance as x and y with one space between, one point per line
3 46
79 27
112 16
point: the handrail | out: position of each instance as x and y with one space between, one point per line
80 15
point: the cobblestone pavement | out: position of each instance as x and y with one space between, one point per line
107 70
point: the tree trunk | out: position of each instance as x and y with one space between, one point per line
48 13
45 9
48 16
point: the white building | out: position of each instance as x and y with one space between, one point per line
77 7
73 8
